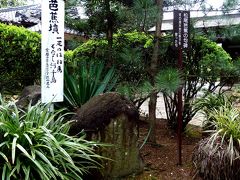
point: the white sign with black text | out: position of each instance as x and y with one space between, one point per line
52 51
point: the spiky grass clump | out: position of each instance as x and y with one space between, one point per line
86 81
218 157
35 145
210 103
215 162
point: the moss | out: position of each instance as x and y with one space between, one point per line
97 113
193 131
112 119
125 154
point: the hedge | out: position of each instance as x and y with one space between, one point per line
19 58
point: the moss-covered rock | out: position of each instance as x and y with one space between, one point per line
112 119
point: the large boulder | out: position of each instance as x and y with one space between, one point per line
110 118
29 94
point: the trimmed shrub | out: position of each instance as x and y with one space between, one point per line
131 55
130 52
19 58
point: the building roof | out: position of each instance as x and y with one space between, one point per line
205 21
30 17
26 16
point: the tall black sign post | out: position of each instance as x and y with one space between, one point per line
181 22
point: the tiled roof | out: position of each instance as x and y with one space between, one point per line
30 17
24 15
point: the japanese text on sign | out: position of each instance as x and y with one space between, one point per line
52 50
181 22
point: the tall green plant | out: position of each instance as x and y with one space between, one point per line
167 80
218 156
211 102
86 81
35 145
206 67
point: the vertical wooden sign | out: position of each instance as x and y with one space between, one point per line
181 29
181 22
52 51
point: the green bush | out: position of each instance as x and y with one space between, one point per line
97 48
205 63
210 103
206 66
131 57
218 156
130 52
84 81
35 145
19 58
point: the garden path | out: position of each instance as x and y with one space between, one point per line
161 113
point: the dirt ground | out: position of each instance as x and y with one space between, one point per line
161 160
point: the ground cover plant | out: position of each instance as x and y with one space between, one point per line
34 144
217 156
212 102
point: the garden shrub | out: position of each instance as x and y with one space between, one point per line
135 44
96 48
34 144
130 52
205 63
85 81
205 67
218 156
19 58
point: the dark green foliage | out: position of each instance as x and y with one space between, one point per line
142 16
132 53
35 145
168 80
104 16
206 67
210 103
85 81
19 58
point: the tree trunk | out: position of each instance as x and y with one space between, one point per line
109 32
152 117
153 72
